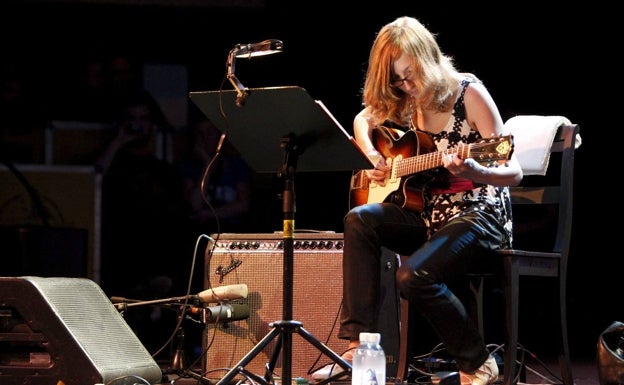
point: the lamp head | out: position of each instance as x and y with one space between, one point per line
266 47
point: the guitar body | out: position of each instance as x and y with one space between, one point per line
408 155
393 145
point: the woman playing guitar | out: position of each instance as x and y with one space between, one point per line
455 151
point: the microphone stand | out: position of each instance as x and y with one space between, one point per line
178 361
125 303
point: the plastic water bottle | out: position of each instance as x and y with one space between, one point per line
369 361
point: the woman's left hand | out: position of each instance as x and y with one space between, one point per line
465 168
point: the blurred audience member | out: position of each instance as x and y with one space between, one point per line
143 220
101 91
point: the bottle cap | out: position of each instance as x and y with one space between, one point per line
374 338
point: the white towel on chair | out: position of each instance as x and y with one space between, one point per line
533 136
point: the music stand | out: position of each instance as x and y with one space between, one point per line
303 126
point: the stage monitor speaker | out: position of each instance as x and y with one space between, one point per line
257 261
66 331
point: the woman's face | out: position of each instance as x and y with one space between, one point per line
403 75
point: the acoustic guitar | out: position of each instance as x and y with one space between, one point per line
410 153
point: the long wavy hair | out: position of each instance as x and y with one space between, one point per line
433 72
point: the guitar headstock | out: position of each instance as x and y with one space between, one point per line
488 150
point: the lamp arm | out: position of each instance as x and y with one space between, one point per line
248 51
241 91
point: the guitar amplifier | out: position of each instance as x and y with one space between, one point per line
257 261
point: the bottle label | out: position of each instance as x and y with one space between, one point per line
370 378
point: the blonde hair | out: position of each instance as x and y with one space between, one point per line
433 72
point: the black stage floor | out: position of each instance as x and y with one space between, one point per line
585 372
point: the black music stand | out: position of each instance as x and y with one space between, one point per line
303 126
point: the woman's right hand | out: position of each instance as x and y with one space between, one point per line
380 172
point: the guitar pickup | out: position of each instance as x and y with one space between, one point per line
359 180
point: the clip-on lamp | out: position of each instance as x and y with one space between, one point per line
247 51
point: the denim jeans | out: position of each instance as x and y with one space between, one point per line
422 279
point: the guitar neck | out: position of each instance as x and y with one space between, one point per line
428 161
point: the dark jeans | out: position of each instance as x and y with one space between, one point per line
422 279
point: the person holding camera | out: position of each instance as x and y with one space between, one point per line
144 216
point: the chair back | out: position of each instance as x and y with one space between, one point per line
545 195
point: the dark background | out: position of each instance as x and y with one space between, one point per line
533 60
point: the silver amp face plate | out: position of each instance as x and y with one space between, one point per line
320 242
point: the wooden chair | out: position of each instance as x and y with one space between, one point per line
555 190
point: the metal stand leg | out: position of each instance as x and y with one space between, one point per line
283 329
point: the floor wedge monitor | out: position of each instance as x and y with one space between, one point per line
257 261
66 331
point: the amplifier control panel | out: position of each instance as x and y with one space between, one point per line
272 242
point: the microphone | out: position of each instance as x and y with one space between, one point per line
218 294
122 300
121 303
226 312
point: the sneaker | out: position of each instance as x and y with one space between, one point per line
485 375
327 371
332 369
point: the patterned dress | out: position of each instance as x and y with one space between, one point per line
449 197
